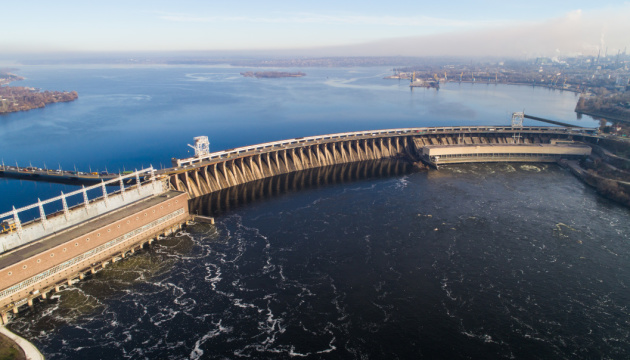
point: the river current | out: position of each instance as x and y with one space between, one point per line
362 261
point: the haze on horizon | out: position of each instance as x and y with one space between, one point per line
324 28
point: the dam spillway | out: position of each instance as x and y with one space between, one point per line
220 202
211 172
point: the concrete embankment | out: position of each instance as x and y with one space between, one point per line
30 351
611 158
579 172
616 190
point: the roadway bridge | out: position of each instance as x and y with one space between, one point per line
208 172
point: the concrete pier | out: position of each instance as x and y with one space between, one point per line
203 219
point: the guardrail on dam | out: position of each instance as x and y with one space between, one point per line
40 256
53 223
209 172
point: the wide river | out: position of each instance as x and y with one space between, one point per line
364 261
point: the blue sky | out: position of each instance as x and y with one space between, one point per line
137 25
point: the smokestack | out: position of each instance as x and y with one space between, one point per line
598 52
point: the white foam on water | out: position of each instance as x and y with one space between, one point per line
197 353
402 183
293 353
528 167
359 188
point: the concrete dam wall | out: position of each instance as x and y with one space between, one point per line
213 177
213 172
224 200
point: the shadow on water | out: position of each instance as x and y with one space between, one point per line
223 201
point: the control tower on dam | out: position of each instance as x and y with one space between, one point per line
208 172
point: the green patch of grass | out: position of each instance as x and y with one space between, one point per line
9 350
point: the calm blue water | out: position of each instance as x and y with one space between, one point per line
364 261
127 118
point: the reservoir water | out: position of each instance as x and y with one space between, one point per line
130 117
471 261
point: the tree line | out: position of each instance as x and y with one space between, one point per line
617 105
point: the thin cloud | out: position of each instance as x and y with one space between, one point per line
309 18
578 32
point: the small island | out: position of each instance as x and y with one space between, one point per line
272 74
20 98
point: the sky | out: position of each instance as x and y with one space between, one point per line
323 27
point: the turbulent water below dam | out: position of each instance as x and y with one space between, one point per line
368 261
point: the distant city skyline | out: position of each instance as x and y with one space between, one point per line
326 28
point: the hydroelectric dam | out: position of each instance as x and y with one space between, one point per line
208 172
41 256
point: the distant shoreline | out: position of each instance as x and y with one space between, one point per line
6 78
272 74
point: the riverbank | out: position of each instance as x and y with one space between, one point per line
605 172
15 347
9 350
7 77
604 116
540 85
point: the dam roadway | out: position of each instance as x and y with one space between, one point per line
42 255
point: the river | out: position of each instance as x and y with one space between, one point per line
367 261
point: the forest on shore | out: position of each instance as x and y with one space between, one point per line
616 105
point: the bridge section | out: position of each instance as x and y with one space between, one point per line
16 233
40 267
44 254
210 172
